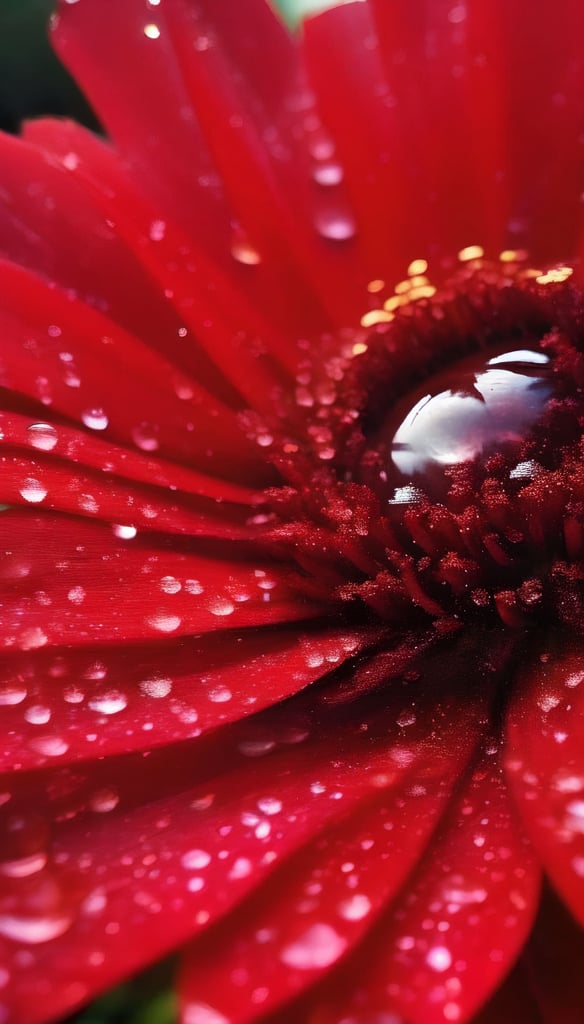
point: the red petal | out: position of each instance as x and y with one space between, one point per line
200 100
102 701
450 121
460 923
118 866
545 763
319 905
65 355
43 202
73 582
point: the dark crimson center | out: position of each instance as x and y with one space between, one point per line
483 405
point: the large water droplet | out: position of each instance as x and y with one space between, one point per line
480 406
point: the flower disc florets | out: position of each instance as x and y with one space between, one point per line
440 471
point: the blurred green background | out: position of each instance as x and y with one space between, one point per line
32 82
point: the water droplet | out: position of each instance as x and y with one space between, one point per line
124 532
32 638
144 437
439 958
270 805
12 694
151 31
202 1013
194 587
37 715
33 490
221 606
42 436
241 868
328 174
355 908
195 860
255 748
156 687
110 703
95 419
24 866
170 585
34 930
245 253
49 746
104 800
336 227
319 946
163 622
220 695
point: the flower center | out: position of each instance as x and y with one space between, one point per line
451 489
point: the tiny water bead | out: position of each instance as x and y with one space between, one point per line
483 405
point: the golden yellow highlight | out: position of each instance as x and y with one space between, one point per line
417 267
425 291
471 252
555 276
376 286
376 316
402 287
359 348
513 255
394 302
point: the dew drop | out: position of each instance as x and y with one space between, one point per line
221 606
124 532
163 622
270 805
32 638
220 695
202 1013
170 585
144 437
12 694
42 436
439 958
110 703
328 174
37 715
34 930
194 587
319 946
49 746
475 407
195 860
104 800
24 866
33 490
355 908
95 419
335 227
156 687
245 253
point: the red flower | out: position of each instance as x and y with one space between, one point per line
292 660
